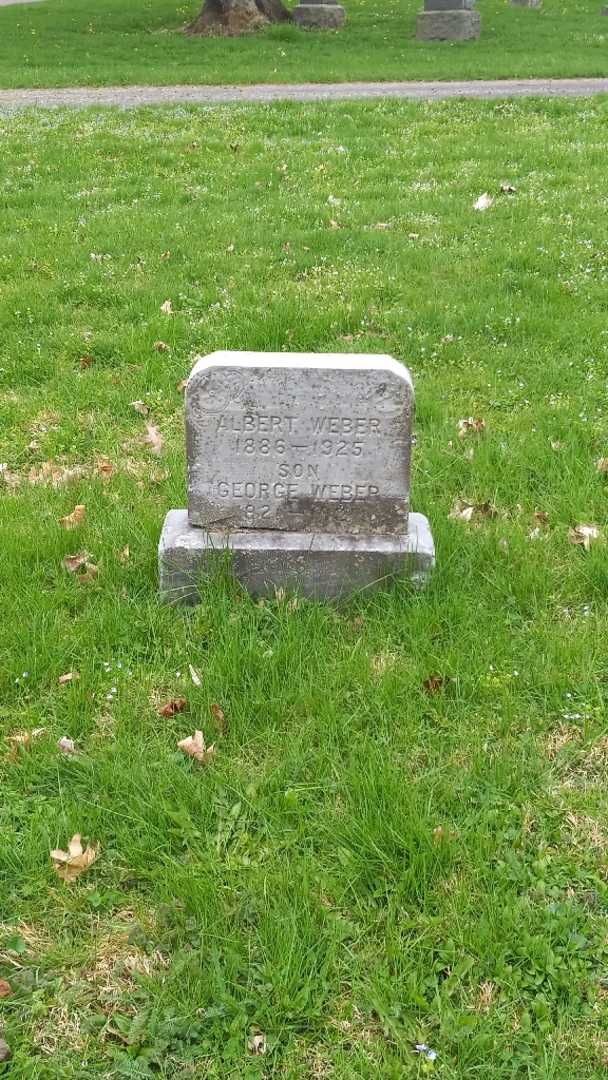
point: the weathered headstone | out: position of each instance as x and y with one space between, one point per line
319 15
300 465
448 20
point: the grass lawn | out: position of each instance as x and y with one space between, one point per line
69 42
366 864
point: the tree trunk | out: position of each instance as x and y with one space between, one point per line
233 17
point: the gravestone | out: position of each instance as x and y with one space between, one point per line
299 465
319 15
448 20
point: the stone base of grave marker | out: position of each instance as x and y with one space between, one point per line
324 15
315 565
461 24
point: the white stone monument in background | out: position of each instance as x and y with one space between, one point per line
299 465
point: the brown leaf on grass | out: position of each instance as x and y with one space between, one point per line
153 439
433 684
70 676
161 346
468 512
55 475
181 385
382 226
585 535
5 988
256 1044
541 517
86 362
470 424
335 224
76 518
141 407
194 746
602 465
5 1051
67 746
173 707
79 565
485 997
219 717
25 738
9 478
167 308
105 469
124 555
70 864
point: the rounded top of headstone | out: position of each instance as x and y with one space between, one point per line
321 361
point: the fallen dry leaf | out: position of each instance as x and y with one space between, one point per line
76 518
471 423
433 684
465 511
219 717
167 308
256 1044
335 224
382 225
194 746
173 707
24 738
585 535
181 385
105 468
541 517
602 465
11 479
66 745
484 202
70 864
141 407
55 475
80 565
5 1051
124 554
161 346
485 997
5 989
194 675
154 439
86 362
70 676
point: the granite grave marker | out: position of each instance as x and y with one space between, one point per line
300 466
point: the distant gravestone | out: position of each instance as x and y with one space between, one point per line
448 20
300 466
319 15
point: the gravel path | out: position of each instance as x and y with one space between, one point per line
127 97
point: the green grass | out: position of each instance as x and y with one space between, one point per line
364 865
68 42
